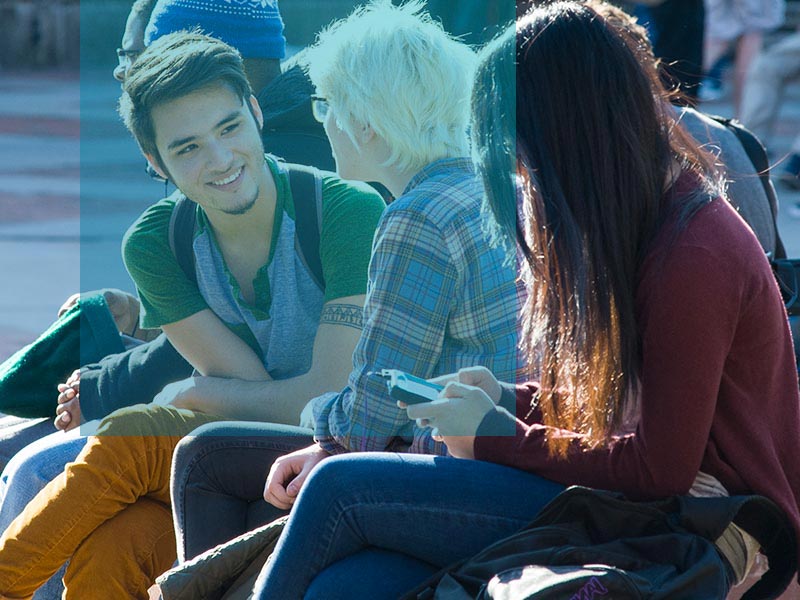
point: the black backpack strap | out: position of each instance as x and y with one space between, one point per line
758 156
181 235
306 185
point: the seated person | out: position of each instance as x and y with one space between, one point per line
290 131
659 340
393 93
263 336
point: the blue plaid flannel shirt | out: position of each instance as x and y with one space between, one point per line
439 298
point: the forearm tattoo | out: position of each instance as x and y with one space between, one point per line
343 314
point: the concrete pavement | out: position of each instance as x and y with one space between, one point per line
39 201
71 182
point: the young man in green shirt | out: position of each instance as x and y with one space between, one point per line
261 334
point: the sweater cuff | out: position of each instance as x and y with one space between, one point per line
91 402
508 397
497 437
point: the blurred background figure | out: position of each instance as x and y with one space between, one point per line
676 28
737 25
762 97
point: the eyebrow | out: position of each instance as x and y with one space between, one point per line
231 117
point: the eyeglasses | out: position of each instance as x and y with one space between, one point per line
319 108
126 58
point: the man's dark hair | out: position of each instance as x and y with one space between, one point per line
172 67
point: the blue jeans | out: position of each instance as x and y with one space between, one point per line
26 474
426 511
16 433
218 476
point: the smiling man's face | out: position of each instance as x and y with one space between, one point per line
210 145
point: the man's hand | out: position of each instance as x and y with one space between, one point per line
181 394
289 473
68 303
68 411
124 309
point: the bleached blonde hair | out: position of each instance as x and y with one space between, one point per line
395 69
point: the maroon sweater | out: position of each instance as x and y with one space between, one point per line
719 383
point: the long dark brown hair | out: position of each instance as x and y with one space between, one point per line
578 180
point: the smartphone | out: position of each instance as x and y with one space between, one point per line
409 389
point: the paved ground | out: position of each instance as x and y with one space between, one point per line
72 180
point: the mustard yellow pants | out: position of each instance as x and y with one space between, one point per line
108 512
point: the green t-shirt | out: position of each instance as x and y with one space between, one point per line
350 214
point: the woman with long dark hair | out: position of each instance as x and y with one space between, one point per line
653 329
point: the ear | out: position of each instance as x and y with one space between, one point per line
256 111
154 163
366 134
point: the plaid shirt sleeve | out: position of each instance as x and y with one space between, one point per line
412 285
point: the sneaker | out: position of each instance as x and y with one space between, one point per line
789 175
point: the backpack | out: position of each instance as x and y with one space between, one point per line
758 156
290 130
305 184
589 544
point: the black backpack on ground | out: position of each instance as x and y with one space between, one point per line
306 187
589 544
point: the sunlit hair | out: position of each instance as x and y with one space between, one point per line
395 69
576 147
174 66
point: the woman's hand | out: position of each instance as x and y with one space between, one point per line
456 416
479 377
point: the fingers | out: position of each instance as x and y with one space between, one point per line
458 390
297 483
474 375
445 379
74 378
429 411
61 422
66 393
280 474
68 415
71 301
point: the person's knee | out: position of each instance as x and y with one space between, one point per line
136 545
341 474
189 449
39 467
137 420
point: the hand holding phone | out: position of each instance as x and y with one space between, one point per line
409 389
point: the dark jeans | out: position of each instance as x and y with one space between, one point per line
218 476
